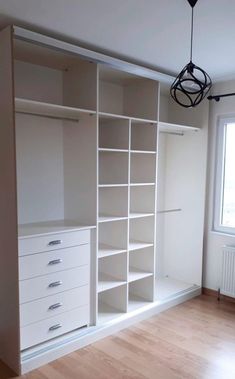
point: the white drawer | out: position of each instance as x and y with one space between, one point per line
32 245
53 327
42 286
53 261
51 306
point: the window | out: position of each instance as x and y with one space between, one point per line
224 214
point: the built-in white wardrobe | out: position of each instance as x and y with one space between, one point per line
102 197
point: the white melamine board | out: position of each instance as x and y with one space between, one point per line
50 227
143 137
137 274
127 94
111 97
136 245
113 134
114 266
185 172
38 83
80 170
142 259
142 288
142 199
114 234
143 168
113 168
9 287
113 202
142 229
160 220
140 99
112 303
80 85
167 287
40 175
50 110
166 127
107 250
107 281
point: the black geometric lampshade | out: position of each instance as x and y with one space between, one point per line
193 83
191 86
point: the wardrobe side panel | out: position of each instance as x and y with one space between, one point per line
9 296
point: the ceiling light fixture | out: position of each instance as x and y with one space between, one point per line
193 83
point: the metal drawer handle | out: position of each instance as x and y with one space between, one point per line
55 262
54 327
55 306
56 242
55 284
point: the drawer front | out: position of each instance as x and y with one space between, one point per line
39 332
55 241
52 306
53 261
42 286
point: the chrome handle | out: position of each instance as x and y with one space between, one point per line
55 284
55 262
55 306
54 327
56 242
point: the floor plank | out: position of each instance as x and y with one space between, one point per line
195 340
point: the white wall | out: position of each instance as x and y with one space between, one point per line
214 241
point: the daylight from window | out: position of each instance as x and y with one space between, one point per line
228 204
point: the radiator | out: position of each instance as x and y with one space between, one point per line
228 271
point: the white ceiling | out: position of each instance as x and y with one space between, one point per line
151 32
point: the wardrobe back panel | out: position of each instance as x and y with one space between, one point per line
40 171
185 175
38 83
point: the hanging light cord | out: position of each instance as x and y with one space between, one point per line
191 49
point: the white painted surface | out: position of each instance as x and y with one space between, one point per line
214 241
51 306
36 333
136 30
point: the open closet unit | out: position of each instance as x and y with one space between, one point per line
102 206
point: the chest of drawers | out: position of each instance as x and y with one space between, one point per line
54 275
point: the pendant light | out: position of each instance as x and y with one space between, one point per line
193 83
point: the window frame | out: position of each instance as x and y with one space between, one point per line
219 175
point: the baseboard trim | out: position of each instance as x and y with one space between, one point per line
214 293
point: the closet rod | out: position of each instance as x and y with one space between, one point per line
47 116
170 210
173 133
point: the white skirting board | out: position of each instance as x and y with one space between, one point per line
58 348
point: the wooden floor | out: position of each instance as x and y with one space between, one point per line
193 340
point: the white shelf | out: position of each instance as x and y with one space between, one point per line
141 184
140 214
109 150
106 313
136 302
136 245
108 218
47 227
107 250
166 288
113 185
39 108
176 128
104 115
142 152
107 282
136 274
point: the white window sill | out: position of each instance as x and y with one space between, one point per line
224 234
